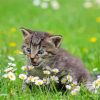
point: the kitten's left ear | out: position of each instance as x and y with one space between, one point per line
56 40
25 31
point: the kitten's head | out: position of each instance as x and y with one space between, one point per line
39 46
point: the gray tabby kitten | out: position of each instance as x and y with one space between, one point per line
43 49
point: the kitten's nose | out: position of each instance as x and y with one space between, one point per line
34 59
32 56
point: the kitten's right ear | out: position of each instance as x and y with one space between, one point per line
25 32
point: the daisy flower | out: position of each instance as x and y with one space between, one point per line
11 76
63 80
74 83
73 92
98 77
23 76
77 88
11 64
96 84
36 2
88 4
55 70
30 67
39 82
55 79
98 2
46 80
24 68
8 69
69 78
46 72
68 87
30 79
55 5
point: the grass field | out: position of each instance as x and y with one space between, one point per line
79 26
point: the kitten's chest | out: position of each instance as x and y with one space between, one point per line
36 72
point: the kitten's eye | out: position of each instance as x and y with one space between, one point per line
29 50
40 51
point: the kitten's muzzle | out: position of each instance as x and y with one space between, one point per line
35 61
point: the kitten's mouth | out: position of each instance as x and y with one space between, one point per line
34 63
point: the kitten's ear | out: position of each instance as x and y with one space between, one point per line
56 40
25 32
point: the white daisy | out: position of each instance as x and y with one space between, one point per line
77 88
73 92
46 80
39 82
34 79
24 68
69 78
55 79
68 87
36 2
23 76
11 64
88 4
30 79
30 67
74 83
55 70
98 77
63 80
8 69
46 72
11 76
55 4
96 84
98 2
46 0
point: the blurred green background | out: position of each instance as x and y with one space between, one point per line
78 21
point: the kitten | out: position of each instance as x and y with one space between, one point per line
43 49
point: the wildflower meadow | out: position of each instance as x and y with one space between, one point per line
78 21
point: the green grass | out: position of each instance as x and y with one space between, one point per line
75 23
